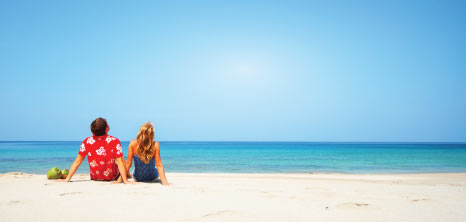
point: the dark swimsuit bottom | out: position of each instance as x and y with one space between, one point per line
144 172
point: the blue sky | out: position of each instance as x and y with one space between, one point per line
235 70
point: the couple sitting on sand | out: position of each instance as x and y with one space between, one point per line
106 161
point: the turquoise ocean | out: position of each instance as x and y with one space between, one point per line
257 157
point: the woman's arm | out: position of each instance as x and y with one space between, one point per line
129 161
158 162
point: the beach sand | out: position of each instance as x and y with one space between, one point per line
238 197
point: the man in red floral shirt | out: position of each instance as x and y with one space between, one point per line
103 152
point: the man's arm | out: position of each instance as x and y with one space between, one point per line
129 161
77 162
122 168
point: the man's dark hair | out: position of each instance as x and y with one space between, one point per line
98 126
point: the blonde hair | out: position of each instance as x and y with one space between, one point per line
145 142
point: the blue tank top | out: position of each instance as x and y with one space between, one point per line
143 171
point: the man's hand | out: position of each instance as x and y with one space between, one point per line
77 162
127 182
119 180
130 182
120 161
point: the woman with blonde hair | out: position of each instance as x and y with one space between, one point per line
146 155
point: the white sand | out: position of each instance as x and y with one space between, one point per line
238 197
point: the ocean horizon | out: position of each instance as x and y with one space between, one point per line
257 157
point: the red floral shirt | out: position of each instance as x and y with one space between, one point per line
101 152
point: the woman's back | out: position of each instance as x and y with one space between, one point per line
144 171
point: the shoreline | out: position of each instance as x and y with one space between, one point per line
275 173
294 158
244 197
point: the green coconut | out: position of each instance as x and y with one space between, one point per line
64 173
54 173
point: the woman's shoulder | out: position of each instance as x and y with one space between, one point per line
132 142
156 145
